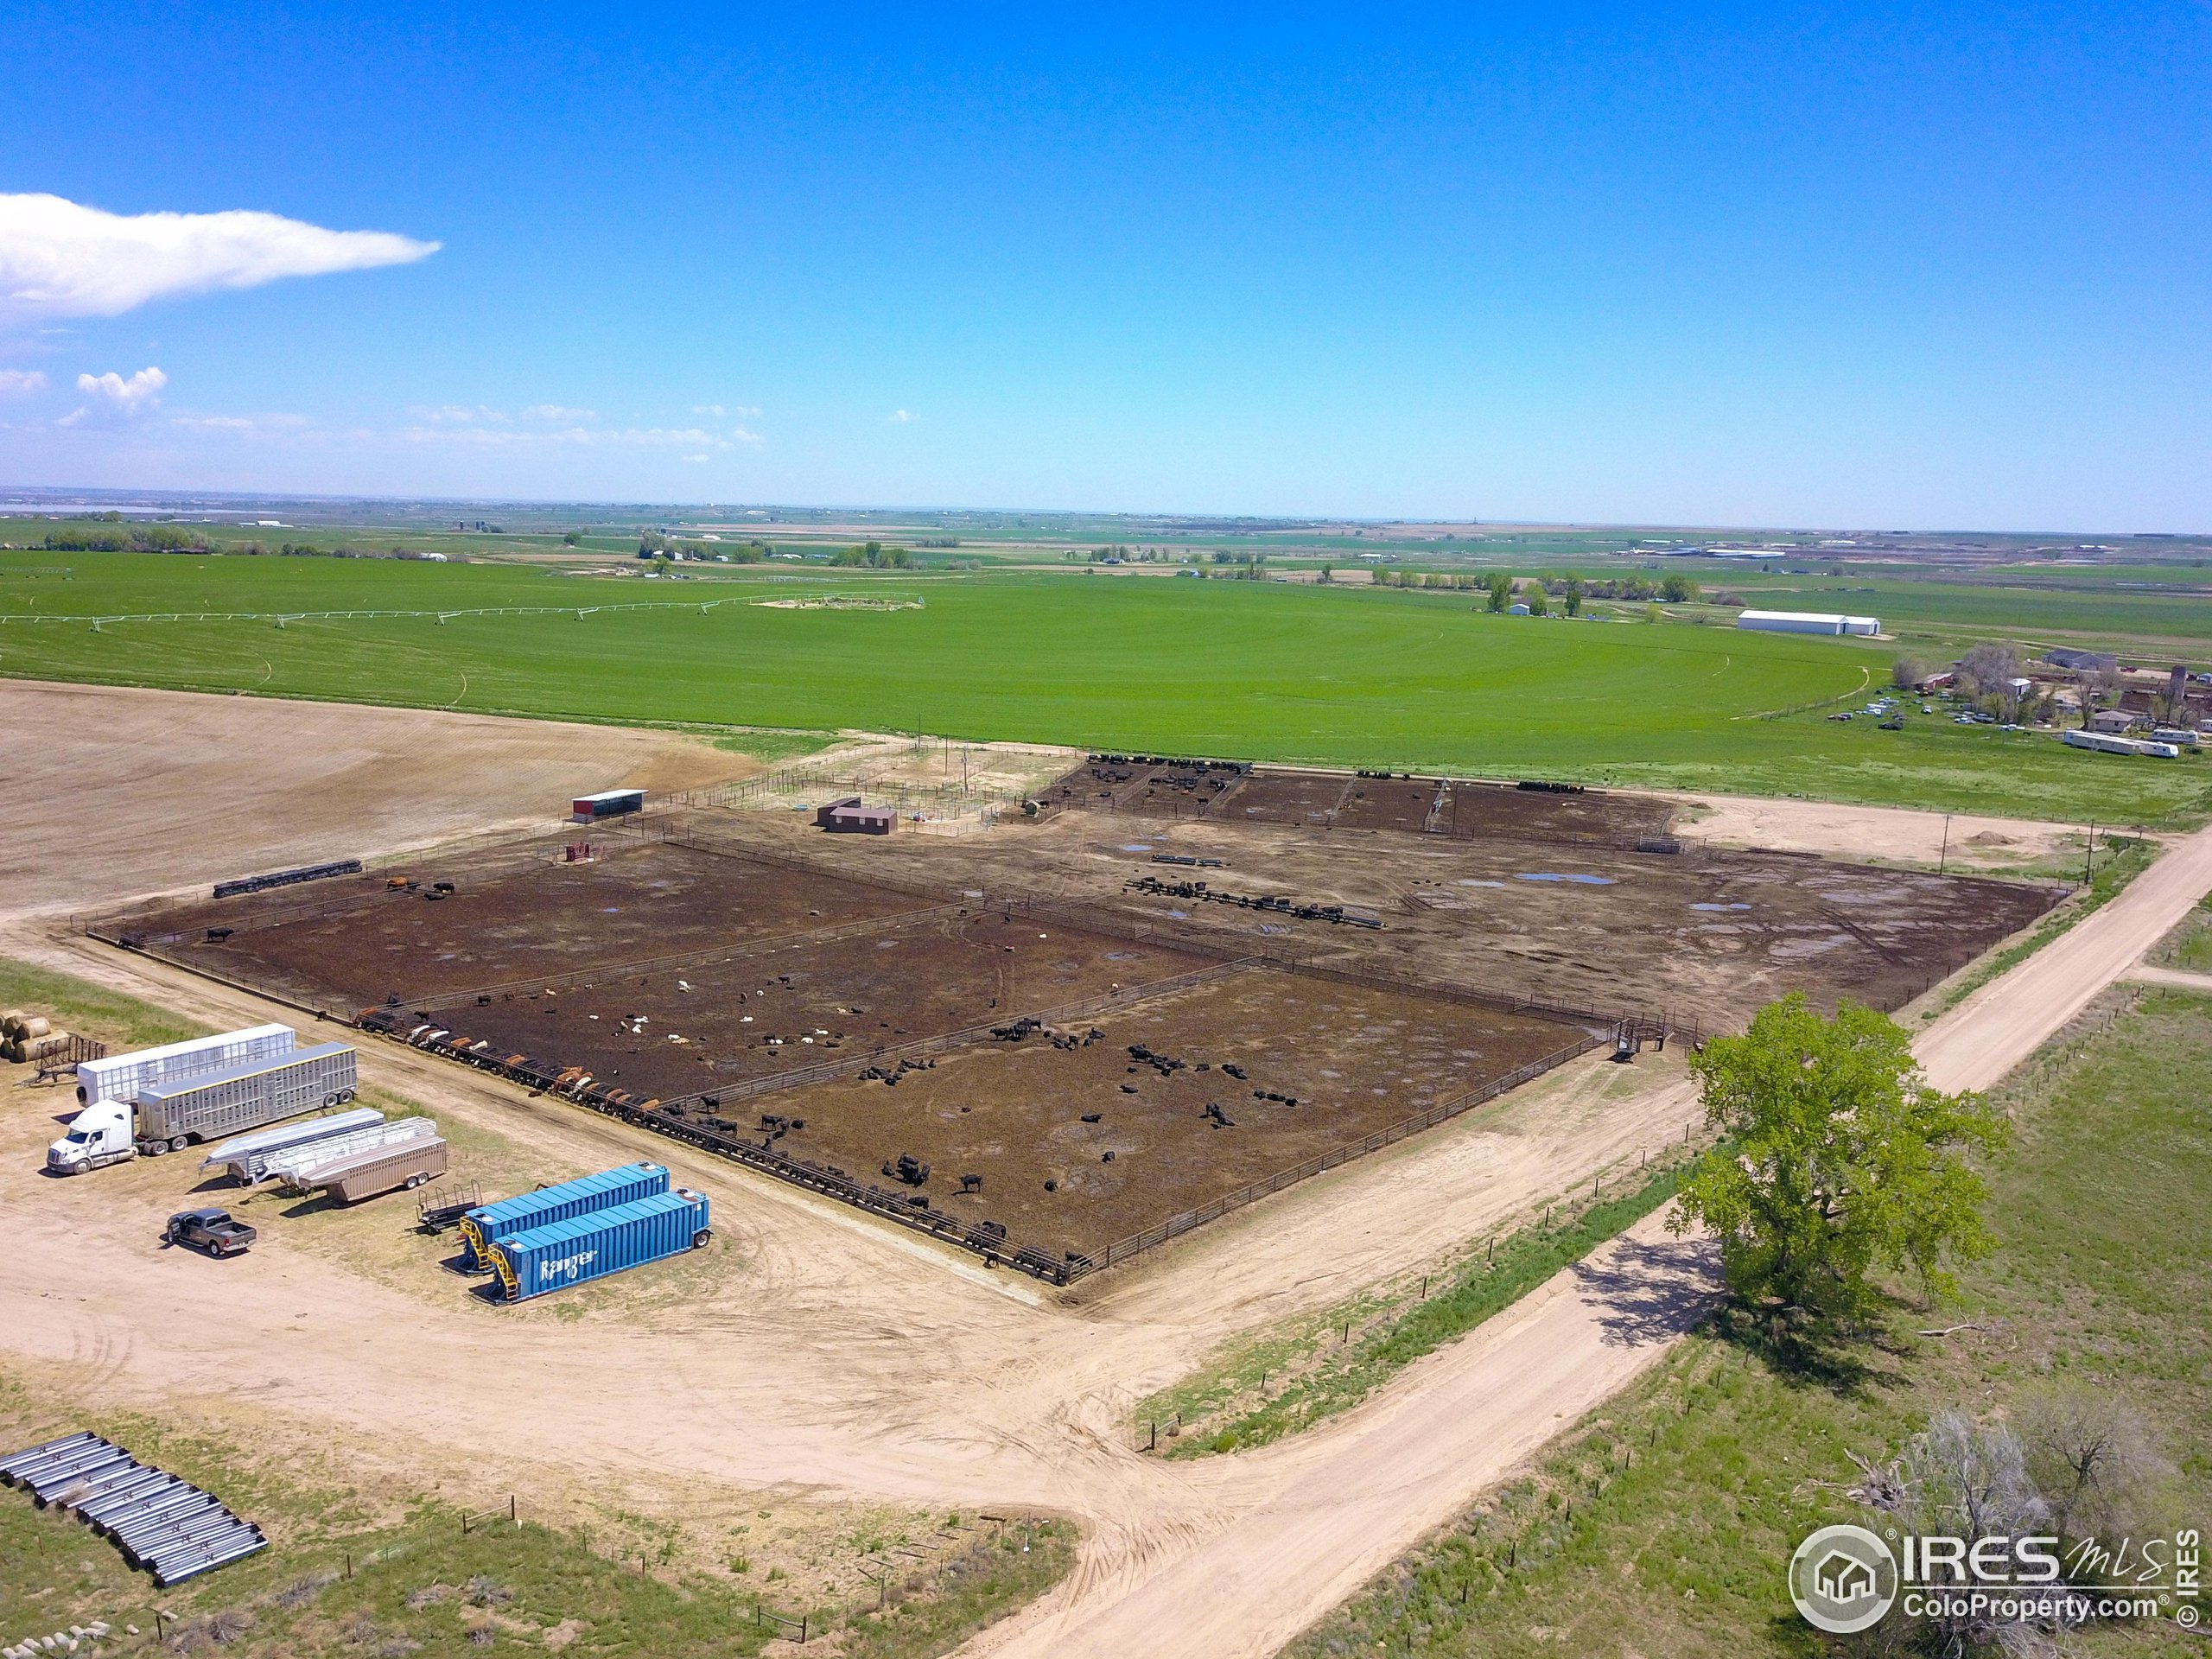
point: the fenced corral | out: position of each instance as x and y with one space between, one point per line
974 784
1123 1249
1155 786
819 1118
1050 1070
1403 803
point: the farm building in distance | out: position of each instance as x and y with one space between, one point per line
607 803
1807 622
2081 662
849 817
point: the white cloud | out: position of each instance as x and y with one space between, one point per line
695 457
900 417
715 410
744 436
73 416
456 414
60 258
558 412
21 383
141 389
212 422
742 411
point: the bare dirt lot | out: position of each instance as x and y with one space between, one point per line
168 787
513 915
1887 834
1219 792
1079 1143
1709 934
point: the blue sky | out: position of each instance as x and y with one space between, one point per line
1867 267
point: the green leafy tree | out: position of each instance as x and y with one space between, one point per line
1533 597
1500 590
1571 601
1678 590
572 538
1837 1157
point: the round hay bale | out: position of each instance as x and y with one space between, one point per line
36 1026
37 1048
12 1051
11 1021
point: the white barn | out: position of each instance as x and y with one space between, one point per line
1807 622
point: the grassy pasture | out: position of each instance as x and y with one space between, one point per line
1258 671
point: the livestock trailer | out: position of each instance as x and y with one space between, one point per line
603 1242
302 1166
121 1076
607 803
240 1097
406 1164
247 1157
625 1184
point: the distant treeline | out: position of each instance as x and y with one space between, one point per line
164 538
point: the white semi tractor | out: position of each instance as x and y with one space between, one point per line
170 1113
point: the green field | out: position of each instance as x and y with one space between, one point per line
1250 670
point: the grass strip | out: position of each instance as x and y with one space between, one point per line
1521 1262
78 1005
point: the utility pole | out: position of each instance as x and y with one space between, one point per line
1944 858
2090 855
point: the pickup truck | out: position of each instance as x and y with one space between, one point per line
211 1231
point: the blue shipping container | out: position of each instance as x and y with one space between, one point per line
603 1242
625 1184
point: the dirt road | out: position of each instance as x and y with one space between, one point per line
2179 979
2004 1021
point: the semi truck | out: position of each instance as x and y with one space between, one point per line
168 1118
